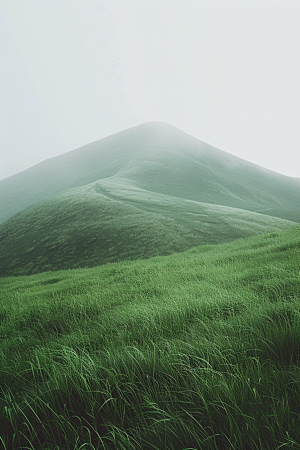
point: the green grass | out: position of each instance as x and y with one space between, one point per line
108 222
197 350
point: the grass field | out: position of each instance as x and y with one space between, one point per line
197 350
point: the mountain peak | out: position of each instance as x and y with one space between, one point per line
158 157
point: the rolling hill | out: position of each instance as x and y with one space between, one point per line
105 222
160 158
147 191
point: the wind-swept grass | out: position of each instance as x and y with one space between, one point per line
198 350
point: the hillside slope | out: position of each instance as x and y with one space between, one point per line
160 158
198 350
107 221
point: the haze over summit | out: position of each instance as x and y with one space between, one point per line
111 65
156 157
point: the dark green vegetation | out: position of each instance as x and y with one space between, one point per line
150 190
198 350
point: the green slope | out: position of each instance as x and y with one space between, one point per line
160 158
198 350
108 221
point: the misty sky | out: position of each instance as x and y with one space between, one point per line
74 71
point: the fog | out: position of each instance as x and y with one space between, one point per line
226 72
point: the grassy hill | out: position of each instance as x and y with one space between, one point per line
159 158
107 222
146 191
197 350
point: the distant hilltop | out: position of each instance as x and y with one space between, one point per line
146 191
161 158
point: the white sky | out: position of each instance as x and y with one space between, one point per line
74 71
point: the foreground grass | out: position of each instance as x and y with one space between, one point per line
198 350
